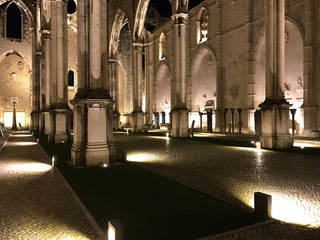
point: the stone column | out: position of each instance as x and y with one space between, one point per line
309 96
93 106
219 111
248 111
209 120
45 88
232 120
156 119
114 89
36 69
275 108
58 72
137 114
149 82
178 89
14 117
240 120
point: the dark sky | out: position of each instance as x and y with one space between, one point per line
163 7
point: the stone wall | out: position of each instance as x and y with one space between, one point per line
15 82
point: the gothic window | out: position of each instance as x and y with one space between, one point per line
162 47
71 78
13 22
71 7
202 26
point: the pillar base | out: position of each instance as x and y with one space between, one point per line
93 139
116 120
35 119
310 133
275 124
47 123
137 121
59 118
180 123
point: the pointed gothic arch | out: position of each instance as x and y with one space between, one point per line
120 20
13 21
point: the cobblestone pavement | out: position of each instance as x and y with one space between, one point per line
34 202
233 174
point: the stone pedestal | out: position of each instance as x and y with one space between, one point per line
35 117
59 118
137 122
179 123
275 125
47 123
93 140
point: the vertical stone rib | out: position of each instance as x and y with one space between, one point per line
275 48
308 54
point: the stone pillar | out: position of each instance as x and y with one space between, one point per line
232 120
149 82
93 106
137 114
275 108
225 120
36 68
163 117
240 120
209 120
114 89
156 119
309 106
14 117
58 73
179 110
219 111
45 88
248 111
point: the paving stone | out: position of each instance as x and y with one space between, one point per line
233 174
34 202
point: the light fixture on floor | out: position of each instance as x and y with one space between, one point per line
54 161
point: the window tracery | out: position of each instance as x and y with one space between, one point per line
203 26
162 47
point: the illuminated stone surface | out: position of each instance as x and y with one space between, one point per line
233 174
34 202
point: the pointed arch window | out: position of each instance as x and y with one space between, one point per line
70 78
71 7
13 20
162 46
202 33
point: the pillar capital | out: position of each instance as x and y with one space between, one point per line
45 34
180 18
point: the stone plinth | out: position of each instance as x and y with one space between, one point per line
179 123
93 121
137 121
61 120
47 123
275 124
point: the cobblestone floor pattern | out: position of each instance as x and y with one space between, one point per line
233 174
34 202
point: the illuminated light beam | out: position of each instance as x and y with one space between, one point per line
288 208
22 143
140 157
30 167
